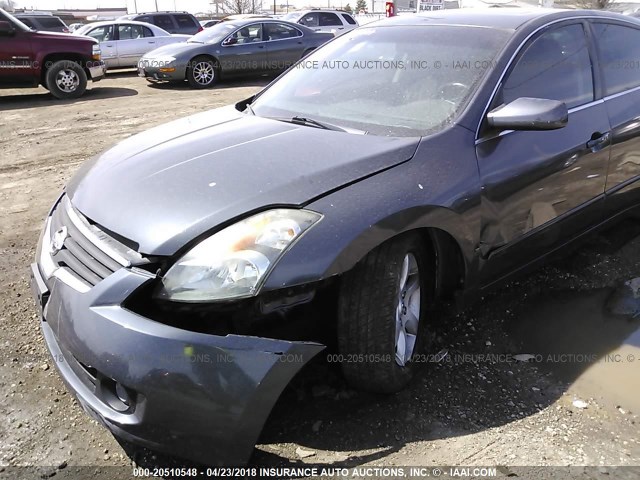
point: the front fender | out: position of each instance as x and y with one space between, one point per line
438 188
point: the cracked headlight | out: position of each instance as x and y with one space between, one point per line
235 261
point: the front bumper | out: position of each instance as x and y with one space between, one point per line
97 71
154 71
201 397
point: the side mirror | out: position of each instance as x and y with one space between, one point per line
6 29
230 41
529 114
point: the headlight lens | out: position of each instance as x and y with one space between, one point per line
235 261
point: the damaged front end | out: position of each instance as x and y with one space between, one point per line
192 380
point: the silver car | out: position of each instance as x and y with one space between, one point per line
124 42
336 22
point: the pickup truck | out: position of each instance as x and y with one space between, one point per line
60 62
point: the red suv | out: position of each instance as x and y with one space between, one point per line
59 62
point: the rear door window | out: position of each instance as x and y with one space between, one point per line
349 19
28 22
328 19
164 21
52 22
279 31
130 32
619 49
185 22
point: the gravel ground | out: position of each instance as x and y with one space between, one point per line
464 409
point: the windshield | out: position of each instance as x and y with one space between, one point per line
214 34
392 81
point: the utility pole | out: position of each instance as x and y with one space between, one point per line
135 6
157 6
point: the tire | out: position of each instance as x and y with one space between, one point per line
370 300
202 72
66 80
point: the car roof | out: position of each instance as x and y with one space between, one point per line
35 15
507 18
156 13
247 21
118 21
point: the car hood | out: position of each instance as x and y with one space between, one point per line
70 37
164 187
172 49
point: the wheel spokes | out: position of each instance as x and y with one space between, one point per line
408 310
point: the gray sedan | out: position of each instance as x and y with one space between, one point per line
231 48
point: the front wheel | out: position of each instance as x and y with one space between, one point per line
66 80
202 72
382 315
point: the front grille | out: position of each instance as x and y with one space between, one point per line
80 248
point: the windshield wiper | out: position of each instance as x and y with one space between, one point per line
310 122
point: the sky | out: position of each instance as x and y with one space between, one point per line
192 6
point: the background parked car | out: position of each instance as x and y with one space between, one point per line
232 48
61 63
74 26
172 22
124 42
43 23
209 23
336 22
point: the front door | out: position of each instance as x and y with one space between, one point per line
106 35
245 51
542 187
17 65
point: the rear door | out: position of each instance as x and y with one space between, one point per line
619 53
133 42
540 188
284 45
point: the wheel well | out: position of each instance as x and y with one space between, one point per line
450 265
54 57
448 261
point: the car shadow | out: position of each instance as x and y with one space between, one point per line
44 99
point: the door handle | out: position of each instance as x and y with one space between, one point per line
340 28
598 141
151 42
109 46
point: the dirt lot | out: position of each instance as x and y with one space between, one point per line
465 409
